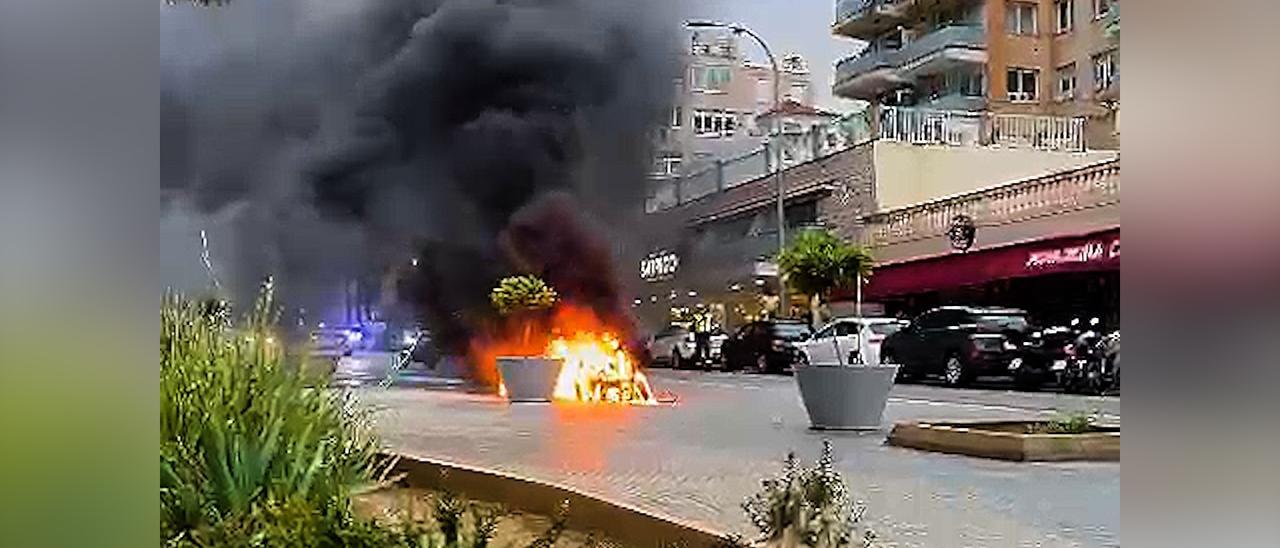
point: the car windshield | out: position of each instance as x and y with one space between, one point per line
885 328
791 330
1002 322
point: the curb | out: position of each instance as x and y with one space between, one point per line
622 523
980 439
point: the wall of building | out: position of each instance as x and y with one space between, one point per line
748 93
908 174
1064 224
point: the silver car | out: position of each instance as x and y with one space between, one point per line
676 346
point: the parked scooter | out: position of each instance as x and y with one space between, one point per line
1092 361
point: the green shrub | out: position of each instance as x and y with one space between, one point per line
1071 423
243 442
250 455
521 293
806 506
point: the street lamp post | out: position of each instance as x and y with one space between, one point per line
776 132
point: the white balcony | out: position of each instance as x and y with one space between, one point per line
953 127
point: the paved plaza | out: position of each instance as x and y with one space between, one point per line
698 459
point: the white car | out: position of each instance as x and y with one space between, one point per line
848 341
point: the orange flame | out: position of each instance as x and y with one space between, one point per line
597 368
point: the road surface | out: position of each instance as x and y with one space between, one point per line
698 459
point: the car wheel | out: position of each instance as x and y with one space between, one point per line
954 372
804 359
762 363
677 362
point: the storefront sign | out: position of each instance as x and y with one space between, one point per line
1097 251
1089 252
659 266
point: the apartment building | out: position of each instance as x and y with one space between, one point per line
1012 57
717 100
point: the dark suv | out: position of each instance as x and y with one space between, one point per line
765 346
960 343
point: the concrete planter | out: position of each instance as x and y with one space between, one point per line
1007 440
529 379
845 398
623 524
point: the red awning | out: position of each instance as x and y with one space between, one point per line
1080 253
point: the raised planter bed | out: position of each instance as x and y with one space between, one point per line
588 516
1009 440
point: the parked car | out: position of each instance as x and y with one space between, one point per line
335 342
960 343
845 341
677 346
765 346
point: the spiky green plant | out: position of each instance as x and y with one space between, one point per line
241 437
522 293
806 506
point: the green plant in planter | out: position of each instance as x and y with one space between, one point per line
817 262
1071 423
515 294
806 506
522 296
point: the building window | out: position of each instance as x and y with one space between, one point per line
1066 14
1022 84
967 83
711 78
677 116
1067 82
666 166
714 123
1101 8
1020 18
1104 70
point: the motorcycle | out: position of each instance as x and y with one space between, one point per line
1093 362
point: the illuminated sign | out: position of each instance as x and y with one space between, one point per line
659 266
1089 252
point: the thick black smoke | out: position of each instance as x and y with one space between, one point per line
483 137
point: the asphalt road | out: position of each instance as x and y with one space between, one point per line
696 459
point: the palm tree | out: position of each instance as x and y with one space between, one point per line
817 263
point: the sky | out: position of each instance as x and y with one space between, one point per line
789 26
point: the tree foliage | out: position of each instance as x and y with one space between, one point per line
818 262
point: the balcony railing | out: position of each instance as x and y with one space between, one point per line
953 127
1087 187
928 126
951 36
865 61
847 10
901 124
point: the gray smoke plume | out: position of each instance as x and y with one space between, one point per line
482 137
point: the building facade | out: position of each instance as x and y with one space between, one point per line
717 99
714 251
1011 57
1049 244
